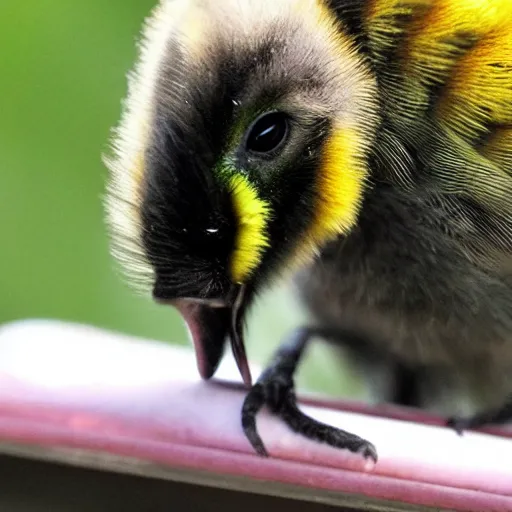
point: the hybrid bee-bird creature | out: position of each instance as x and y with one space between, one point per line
362 148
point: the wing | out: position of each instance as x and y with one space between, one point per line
445 73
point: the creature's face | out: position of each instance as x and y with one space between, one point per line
242 152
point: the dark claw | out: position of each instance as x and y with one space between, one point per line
265 393
275 388
490 417
253 402
459 424
368 451
332 436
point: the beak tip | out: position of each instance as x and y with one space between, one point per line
205 373
246 377
206 328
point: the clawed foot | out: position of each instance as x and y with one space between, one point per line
460 424
275 388
490 417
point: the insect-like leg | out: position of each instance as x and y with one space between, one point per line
276 389
493 416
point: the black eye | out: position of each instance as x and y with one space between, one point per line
267 133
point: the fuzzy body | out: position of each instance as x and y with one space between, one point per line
426 279
394 193
404 286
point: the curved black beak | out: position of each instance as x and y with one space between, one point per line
209 323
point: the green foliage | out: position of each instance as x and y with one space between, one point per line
63 67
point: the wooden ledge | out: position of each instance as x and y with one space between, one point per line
89 398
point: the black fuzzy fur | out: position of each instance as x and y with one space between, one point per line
425 277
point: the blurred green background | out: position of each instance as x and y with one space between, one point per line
63 68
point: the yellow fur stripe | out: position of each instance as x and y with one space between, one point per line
479 91
253 215
342 172
431 37
435 32
340 185
339 193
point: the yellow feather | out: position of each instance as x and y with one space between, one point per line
431 36
429 46
339 193
340 185
452 61
253 215
479 91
